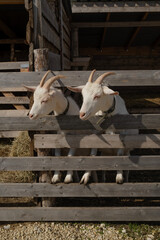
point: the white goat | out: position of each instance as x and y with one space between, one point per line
101 100
46 100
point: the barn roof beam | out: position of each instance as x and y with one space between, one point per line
116 24
13 41
104 31
136 31
12 2
104 7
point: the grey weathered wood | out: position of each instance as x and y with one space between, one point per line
13 40
49 15
122 6
66 38
44 177
9 134
67 63
61 34
13 113
78 190
80 61
12 65
50 34
144 214
54 61
121 78
135 121
48 163
115 24
14 100
41 59
98 141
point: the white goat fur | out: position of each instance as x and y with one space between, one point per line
51 99
98 99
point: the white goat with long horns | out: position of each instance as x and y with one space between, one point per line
101 100
46 100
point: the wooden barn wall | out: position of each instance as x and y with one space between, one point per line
52 31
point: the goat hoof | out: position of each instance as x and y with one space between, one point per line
56 179
119 178
85 179
68 179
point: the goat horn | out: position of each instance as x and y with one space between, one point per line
44 77
91 76
51 80
100 78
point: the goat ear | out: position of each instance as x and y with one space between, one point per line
109 91
76 89
30 89
52 92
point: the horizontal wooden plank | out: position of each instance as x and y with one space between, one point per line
50 34
13 113
67 63
133 78
49 14
82 61
92 214
9 134
14 100
115 24
80 163
12 65
11 2
13 89
98 141
13 41
66 38
54 61
78 190
135 121
118 6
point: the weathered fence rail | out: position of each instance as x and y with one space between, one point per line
145 157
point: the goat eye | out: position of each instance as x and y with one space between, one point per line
96 97
43 101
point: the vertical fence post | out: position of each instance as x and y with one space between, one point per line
41 64
45 177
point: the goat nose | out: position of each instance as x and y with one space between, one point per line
81 114
30 115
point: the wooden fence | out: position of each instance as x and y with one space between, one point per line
135 200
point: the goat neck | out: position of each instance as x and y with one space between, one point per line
61 102
106 102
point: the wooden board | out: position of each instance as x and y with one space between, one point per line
92 214
14 100
135 121
98 141
49 14
115 24
9 134
13 113
12 65
133 78
80 163
121 6
54 61
11 2
50 34
78 190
